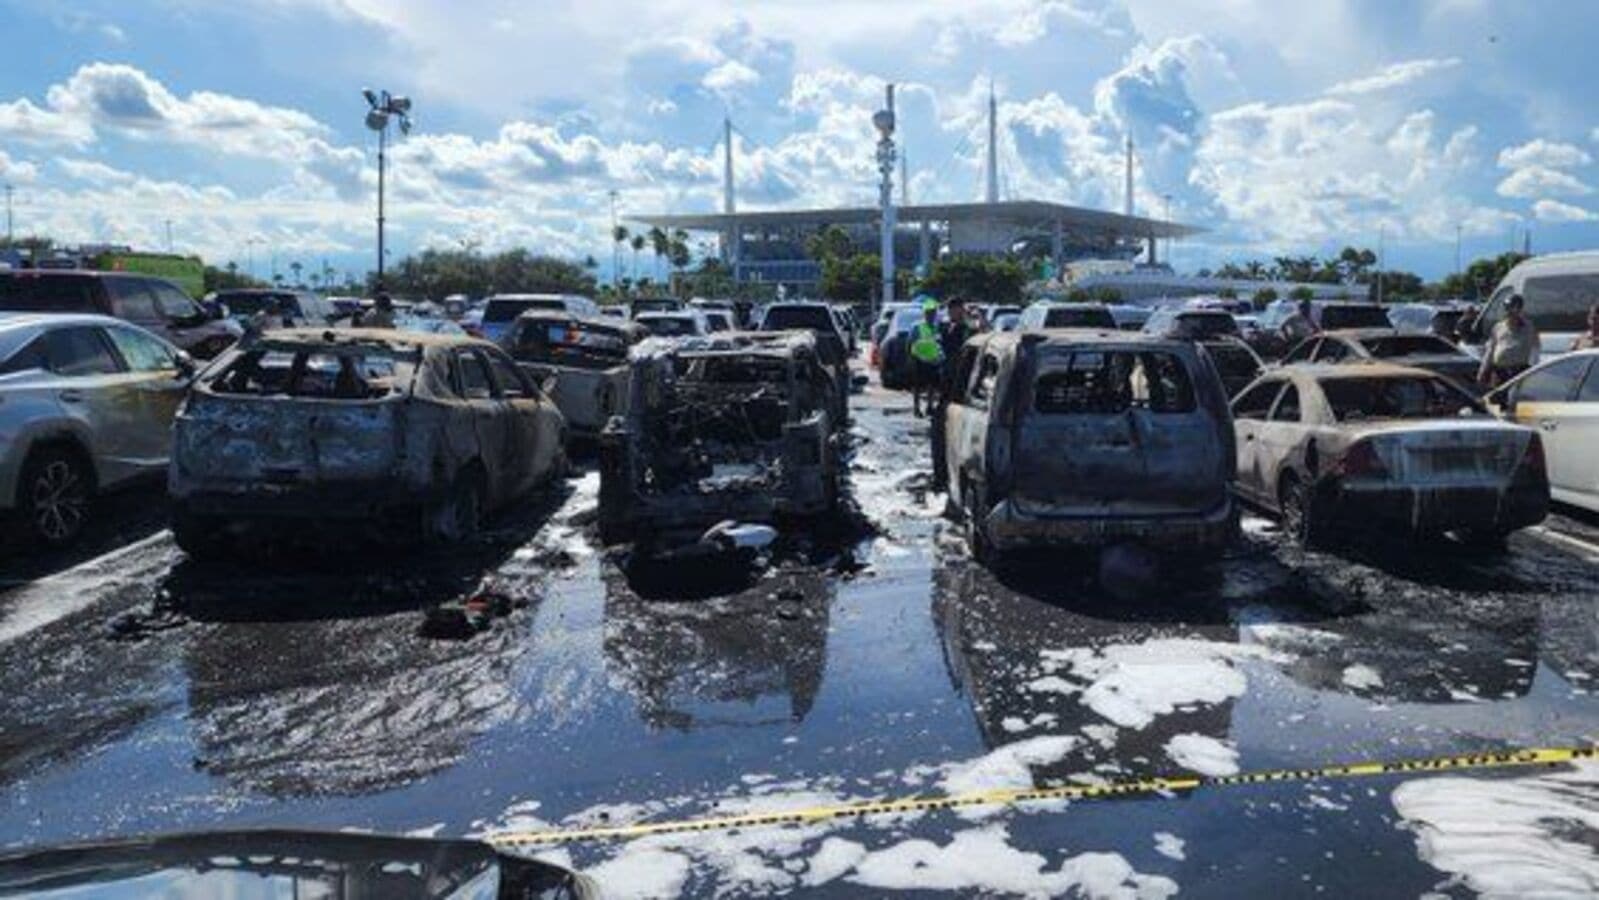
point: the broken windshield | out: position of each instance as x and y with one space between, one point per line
346 373
1352 399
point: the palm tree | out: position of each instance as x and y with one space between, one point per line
295 267
618 237
637 243
659 245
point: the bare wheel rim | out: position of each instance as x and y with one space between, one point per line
59 498
1294 510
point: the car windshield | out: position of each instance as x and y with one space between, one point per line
1232 359
1332 318
1201 326
803 318
1408 345
580 345
1353 399
505 310
357 372
668 326
1102 383
1078 317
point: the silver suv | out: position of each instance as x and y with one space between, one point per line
86 404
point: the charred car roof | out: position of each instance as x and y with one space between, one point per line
353 337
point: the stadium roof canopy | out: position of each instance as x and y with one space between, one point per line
1023 213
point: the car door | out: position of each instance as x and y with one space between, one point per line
966 417
491 422
533 426
1277 442
1580 427
1249 416
95 389
1546 399
158 382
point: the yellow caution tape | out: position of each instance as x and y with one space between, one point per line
1018 796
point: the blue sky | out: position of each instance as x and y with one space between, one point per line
1281 127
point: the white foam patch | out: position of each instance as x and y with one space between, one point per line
1203 754
981 860
833 859
641 873
1007 767
1361 677
1132 684
1509 837
1170 846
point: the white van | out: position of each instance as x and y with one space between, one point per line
1558 289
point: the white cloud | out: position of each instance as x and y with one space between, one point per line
1541 152
730 77
1555 211
1537 181
22 121
1392 76
18 170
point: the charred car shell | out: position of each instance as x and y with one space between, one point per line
402 433
1340 446
733 426
1089 437
586 357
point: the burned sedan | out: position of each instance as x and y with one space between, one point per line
735 426
1091 438
382 432
586 357
1331 446
1362 345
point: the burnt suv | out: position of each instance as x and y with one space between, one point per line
154 304
736 426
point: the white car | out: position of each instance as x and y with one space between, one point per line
86 404
1561 399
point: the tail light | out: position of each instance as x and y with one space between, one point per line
1360 460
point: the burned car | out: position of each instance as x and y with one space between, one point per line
1335 446
1362 345
403 434
585 355
734 426
1089 438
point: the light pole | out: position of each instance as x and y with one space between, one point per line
383 106
883 121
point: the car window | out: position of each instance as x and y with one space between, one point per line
475 381
805 318
1302 351
54 293
142 352
983 384
1560 302
1353 399
1253 403
509 377
1069 317
1407 345
30 356
172 303
131 299
1590 387
1354 316
1287 408
1093 382
1331 351
80 351
1554 383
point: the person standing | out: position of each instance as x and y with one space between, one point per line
952 336
1512 346
1300 325
267 318
1589 340
927 359
382 314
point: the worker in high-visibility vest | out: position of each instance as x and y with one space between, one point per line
927 359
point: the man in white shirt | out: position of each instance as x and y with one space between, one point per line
1512 346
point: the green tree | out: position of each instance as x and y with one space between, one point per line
227 278
852 279
1301 293
660 245
980 279
637 242
1264 298
829 242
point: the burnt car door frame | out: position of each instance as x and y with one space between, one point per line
490 422
529 437
1250 479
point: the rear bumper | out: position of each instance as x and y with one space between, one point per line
1010 529
366 501
1442 508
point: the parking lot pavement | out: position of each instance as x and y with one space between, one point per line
142 693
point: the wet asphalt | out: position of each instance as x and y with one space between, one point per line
140 692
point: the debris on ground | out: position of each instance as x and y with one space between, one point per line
463 617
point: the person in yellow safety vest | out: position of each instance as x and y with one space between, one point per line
927 359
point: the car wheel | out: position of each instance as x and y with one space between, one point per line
458 516
976 538
1300 518
54 496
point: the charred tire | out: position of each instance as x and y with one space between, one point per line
55 495
1299 514
201 537
977 542
456 518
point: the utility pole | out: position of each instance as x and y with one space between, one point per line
883 121
382 106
